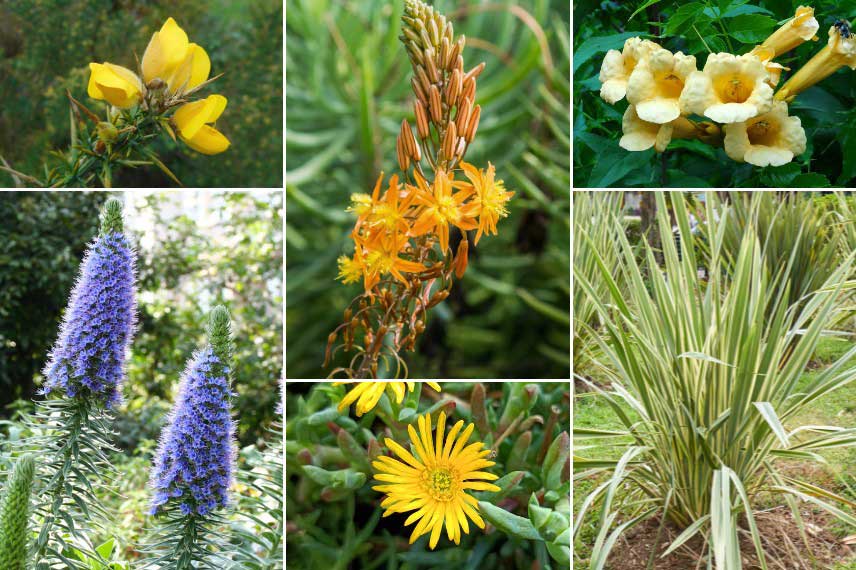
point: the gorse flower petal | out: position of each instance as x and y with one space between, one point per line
115 84
171 58
167 49
192 121
368 394
434 481
88 358
194 464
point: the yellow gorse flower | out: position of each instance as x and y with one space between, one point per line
433 483
171 58
192 121
115 84
368 394
172 69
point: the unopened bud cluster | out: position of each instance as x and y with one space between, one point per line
401 237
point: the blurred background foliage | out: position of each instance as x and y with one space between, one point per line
348 88
334 515
195 250
46 46
735 26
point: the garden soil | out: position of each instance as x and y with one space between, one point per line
777 527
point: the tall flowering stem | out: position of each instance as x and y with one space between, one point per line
14 515
194 465
83 382
402 236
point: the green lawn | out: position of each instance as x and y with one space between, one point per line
838 408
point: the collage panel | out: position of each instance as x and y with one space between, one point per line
154 94
724 94
370 485
139 373
429 171
714 379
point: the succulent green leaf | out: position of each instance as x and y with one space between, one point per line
341 479
510 524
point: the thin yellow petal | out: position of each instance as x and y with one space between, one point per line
402 453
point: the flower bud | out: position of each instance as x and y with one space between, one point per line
107 132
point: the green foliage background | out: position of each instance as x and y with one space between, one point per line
185 270
347 90
736 26
46 46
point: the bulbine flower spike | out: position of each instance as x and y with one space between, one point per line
88 359
405 251
368 394
434 481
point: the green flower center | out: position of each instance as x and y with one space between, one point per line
441 484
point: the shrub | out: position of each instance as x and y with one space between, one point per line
709 369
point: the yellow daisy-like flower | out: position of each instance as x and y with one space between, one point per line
435 481
367 394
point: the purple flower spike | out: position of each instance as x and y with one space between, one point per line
88 359
194 464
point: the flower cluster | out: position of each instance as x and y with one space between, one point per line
194 463
402 235
172 70
737 93
89 356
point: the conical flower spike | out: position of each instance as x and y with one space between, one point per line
194 463
88 359
838 52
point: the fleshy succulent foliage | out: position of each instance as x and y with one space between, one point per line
14 515
194 465
89 356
